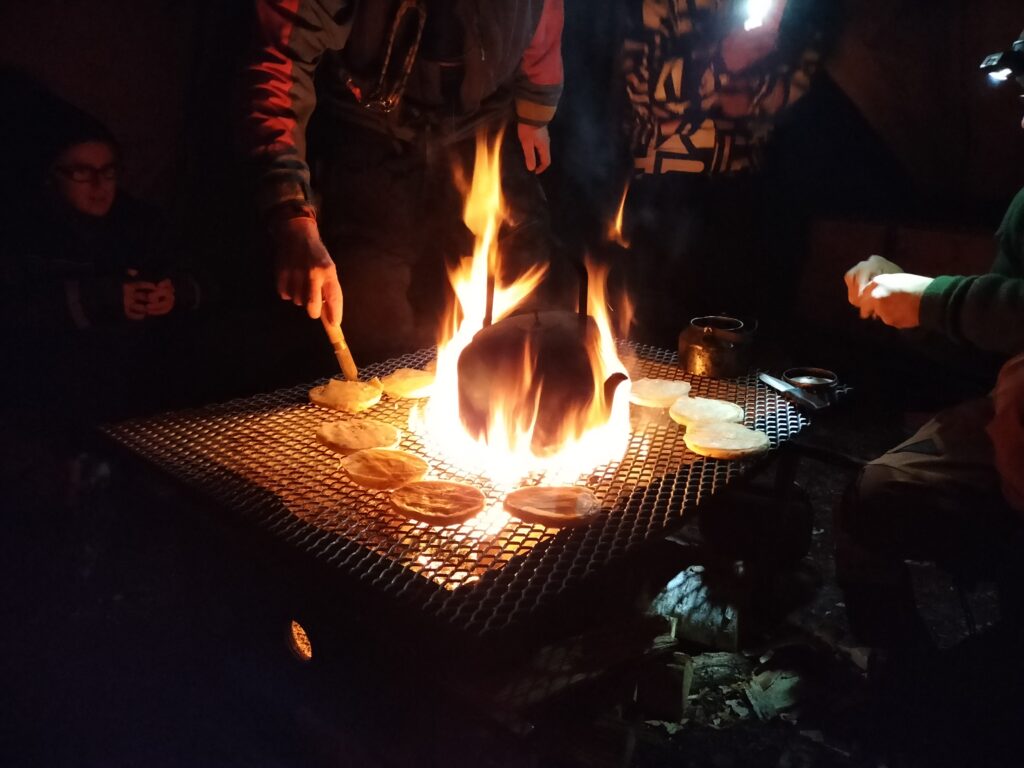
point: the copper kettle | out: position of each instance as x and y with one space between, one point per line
718 346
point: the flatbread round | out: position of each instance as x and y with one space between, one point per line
349 396
553 506
722 440
383 469
438 502
408 382
695 410
658 393
347 437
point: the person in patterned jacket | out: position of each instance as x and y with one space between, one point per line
401 89
706 80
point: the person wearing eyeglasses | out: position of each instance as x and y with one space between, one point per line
92 274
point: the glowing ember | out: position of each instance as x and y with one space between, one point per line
594 434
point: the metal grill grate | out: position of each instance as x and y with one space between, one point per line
259 457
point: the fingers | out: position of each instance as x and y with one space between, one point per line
529 153
853 286
282 284
872 300
298 284
314 300
544 154
332 296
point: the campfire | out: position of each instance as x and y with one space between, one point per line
521 394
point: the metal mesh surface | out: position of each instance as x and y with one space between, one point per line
259 457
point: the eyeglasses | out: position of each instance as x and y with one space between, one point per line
82 174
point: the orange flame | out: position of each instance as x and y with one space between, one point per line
587 438
615 229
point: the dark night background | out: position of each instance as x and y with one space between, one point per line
902 145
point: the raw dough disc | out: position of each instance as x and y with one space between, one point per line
353 435
383 468
349 396
658 393
553 506
438 502
723 440
693 410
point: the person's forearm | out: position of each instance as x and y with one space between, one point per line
986 311
539 85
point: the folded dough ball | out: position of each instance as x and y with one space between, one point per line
357 434
349 396
408 382
658 393
724 440
438 502
693 410
383 469
553 506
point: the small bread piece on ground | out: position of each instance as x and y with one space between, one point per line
553 506
353 435
348 396
408 382
694 410
658 393
383 469
724 440
438 502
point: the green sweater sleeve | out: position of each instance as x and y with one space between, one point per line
986 311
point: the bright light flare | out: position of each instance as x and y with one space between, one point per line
757 11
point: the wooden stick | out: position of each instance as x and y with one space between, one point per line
341 351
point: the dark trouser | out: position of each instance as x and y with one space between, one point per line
392 220
934 497
697 249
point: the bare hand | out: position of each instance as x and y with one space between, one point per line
161 298
536 147
895 299
135 297
858 277
306 274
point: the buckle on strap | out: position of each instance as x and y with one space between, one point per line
410 18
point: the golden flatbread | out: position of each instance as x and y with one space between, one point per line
349 396
693 410
658 393
553 506
383 469
438 502
723 440
357 434
408 382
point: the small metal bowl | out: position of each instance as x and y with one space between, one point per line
810 378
